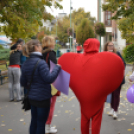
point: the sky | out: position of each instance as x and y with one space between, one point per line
88 5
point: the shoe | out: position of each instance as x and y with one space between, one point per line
49 129
111 112
18 100
115 116
11 100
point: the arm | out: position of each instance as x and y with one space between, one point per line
52 57
45 73
121 58
131 77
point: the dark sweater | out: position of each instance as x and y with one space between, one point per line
15 58
52 55
118 53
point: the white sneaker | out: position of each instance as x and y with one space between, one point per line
49 129
115 116
111 112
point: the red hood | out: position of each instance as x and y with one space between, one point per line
91 45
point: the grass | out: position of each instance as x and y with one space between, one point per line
131 63
3 67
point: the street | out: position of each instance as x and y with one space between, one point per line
13 120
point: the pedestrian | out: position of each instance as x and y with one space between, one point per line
14 72
40 91
131 78
79 48
48 44
22 60
109 46
92 67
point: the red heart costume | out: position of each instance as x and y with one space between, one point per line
93 76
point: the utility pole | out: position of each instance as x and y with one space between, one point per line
70 26
100 19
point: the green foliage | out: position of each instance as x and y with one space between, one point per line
63 26
119 7
57 46
46 31
100 29
123 9
4 54
84 31
78 15
22 18
128 53
1 47
126 26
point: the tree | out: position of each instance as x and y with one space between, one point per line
126 27
123 9
120 8
84 31
63 26
62 33
78 15
128 53
22 18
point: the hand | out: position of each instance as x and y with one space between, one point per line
130 80
58 65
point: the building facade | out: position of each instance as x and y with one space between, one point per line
112 32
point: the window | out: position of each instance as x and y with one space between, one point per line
108 21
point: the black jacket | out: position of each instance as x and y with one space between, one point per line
52 55
118 53
15 58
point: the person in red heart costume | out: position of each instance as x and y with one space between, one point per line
94 75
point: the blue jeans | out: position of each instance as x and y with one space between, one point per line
38 119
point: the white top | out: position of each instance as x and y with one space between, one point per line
132 76
38 53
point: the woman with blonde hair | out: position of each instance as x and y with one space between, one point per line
109 46
48 44
35 69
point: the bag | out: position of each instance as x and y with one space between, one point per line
25 102
109 98
54 91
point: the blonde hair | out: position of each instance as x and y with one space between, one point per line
48 41
30 47
105 47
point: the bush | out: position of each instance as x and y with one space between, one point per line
1 47
100 29
128 53
57 46
4 54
